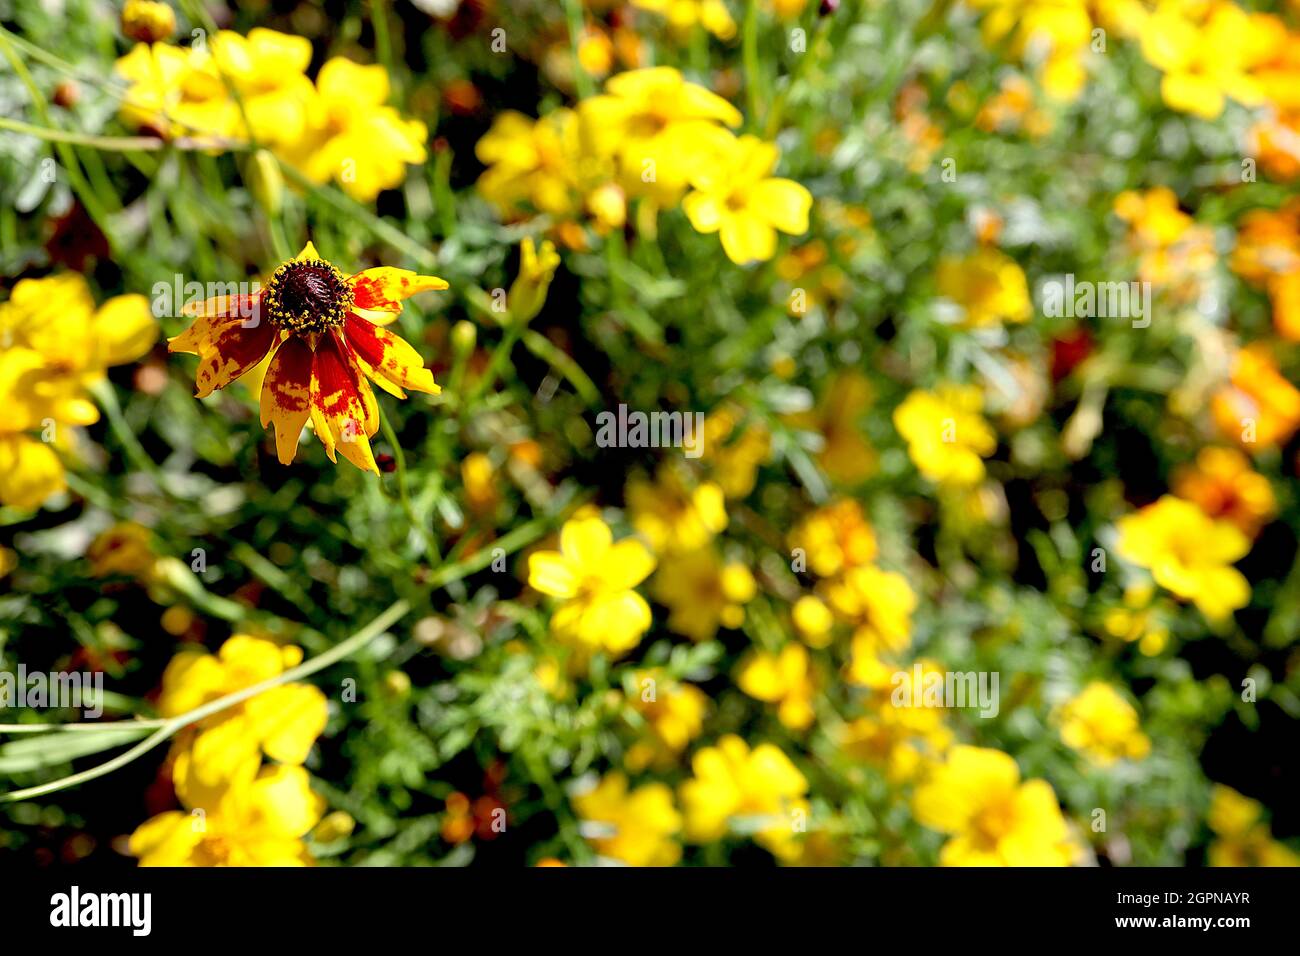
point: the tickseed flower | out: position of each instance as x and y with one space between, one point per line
1188 553
845 454
735 195
658 128
736 790
1103 726
1258 408
835 537
989 287
1222 483
673 712
784 679
1244 839
324 333
54 343
282 722
702 592
148 21
685 15
352 137
672 516
638 827
993 819
256 818
594 577
946 435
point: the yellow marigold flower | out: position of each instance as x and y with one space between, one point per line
658 128
1244 839
674 517
282 722
1259 408
845 455
533 163
784 679
738 790
703 593
992 818
1268 255
257 818
674 716
594 577
1056 31
879 604
1222 484
835 538
1102 725
175 92
684 15
638 827
735 195
352 137
1188 553
324 333
1207 53
148 21
946 435
54 342
898 740
989 286
126 548
268 72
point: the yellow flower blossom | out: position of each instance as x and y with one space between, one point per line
674 517
674 716
845 454
1058 30
946 435
989 287
991 817
638 827
702 592
1102 725
282 722
738 790
735 195
684 15
1258 408
1244 839
735 451
1188 553
594 578
784 679
149 21
898 740
835 538
879 604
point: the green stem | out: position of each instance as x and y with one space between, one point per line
581 78
117 143
749 43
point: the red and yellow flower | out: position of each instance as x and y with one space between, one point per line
325 335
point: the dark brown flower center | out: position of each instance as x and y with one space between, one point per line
307 295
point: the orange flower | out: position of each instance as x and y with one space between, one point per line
1225 487
324 333
1260 408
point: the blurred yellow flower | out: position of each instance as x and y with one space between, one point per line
813 620
126 548
835 538
282 722
1055 32
256 818
594 578
845 454
735 450
735 195
672 516
989 286
741 791
1222 484
879 605
685 15
148 21
537 267
674 716
703 593
898 740
1102 725
533 163
946 435
1171 248
1188 553
1244 839
784 679
992 818
638 827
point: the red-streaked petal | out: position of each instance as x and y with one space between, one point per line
383 289
286 395
240 305
388 356
233 352
343 407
